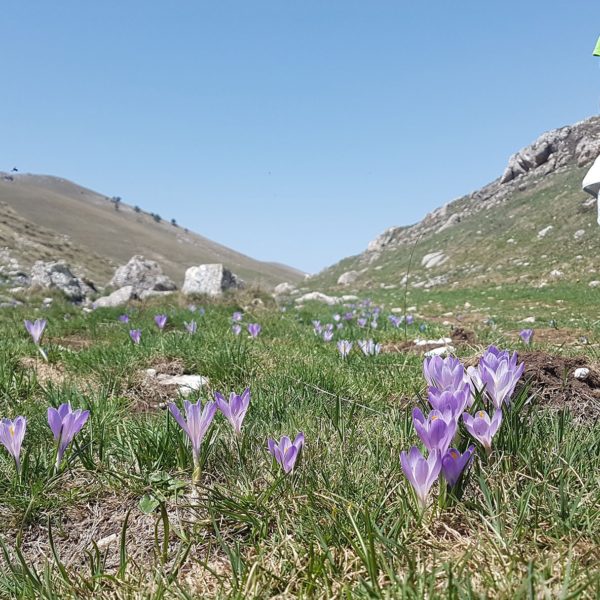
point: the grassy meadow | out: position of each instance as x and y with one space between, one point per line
117 519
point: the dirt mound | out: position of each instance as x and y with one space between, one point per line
554 385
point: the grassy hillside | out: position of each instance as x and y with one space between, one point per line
46 217
496 245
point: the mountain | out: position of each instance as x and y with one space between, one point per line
533 225
49 218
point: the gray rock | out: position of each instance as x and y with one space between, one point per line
285 289
542 233
434 259
117 298
320 297
210 280
142 274
145 294
58 276
348 277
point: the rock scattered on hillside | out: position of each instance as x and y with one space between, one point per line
119 297
348 278
434 259
210 280
285 289
58 276
142 274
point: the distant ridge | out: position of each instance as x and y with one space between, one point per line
46 217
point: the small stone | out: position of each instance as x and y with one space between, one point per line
582 373
528 320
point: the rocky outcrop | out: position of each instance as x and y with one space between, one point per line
58 276
142 274
119 297
348 278
210 280
285 289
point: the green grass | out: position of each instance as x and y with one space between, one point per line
345 524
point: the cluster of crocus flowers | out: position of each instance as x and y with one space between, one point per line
452 390
369 347
344 347
36 331
135 335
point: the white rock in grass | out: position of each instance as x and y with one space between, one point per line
318 297
579 234
528 320
542 233
594 284
581 373
445 341
186 384
441 351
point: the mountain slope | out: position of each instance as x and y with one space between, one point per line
46 217
532 225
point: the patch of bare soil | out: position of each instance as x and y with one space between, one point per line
554 385
557 337
146 393
460 338
102 522
72 342
45 372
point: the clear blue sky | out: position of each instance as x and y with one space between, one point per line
291 131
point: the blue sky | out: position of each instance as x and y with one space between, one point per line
290 131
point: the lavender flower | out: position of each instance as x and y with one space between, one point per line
161 321
236 317
526 335
135 335
190 327
454 401
234 410
65 424
36 329
482 428
254 329
124 318
374 324
454 463
344 347
500 374
327 335
443 373
395 321
337 318
317 328
236 328
192 307
11 437
348 316
421 473
437 430
410 319
361 322
369 347
195 424
286 452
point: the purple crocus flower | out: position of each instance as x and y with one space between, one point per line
234 410
236 317
473 380
254 329
482 428
374 324
135 335
11 437
394 320
236 328
327 335
421 473
124 318
369 347
344 347
361 322
454 463
161 321
35 329
196 423
65 424
455 401
337 318
348 316
410 319
286 452
317 328
526 335
443 373
437 430
500 374
190 327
